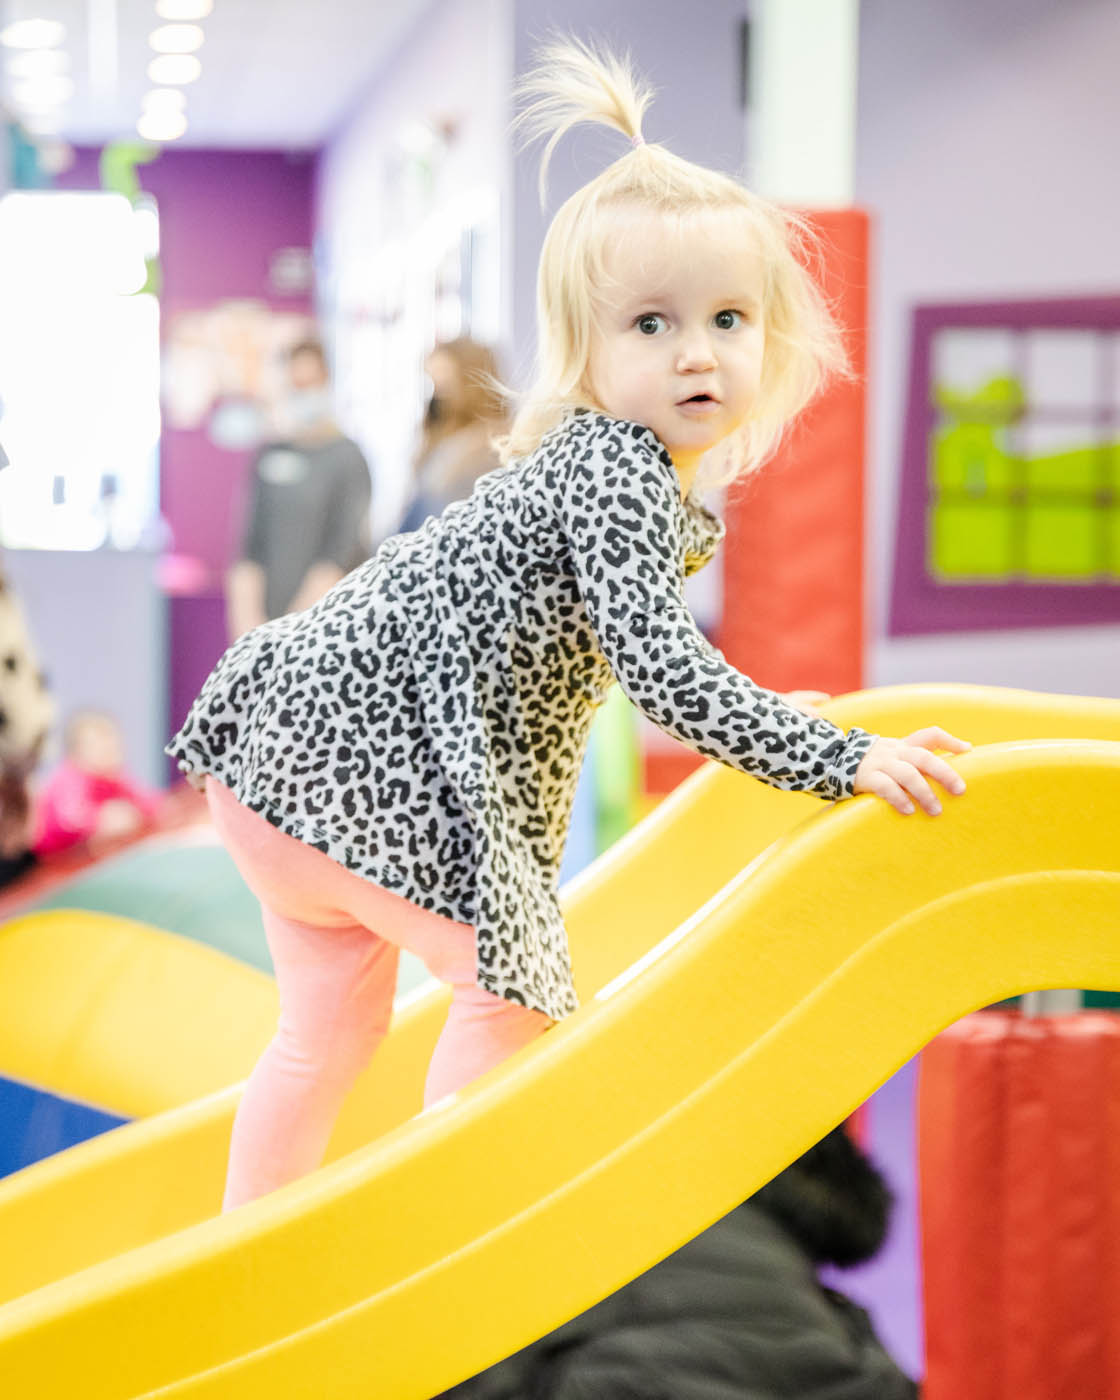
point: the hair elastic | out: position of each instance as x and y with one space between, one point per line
638 140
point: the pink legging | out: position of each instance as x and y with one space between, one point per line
335 940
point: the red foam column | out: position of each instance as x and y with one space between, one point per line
1020 1203
793 558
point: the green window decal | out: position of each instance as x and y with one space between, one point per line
999 511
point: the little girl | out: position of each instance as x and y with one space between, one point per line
394 767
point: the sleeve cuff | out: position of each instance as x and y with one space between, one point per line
841 774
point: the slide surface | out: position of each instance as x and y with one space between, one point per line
748 975
131 1019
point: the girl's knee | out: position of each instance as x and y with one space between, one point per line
337 1053
506 1022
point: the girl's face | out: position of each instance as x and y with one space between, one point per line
679 338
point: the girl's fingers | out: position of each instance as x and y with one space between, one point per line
936 768
910 780
936 738
881 784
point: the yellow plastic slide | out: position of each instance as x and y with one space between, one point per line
125 1017
741 998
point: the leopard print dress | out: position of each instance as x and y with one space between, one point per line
425 722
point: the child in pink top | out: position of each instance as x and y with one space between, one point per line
89 797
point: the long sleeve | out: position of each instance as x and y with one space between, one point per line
629 538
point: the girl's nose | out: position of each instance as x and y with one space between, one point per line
696 353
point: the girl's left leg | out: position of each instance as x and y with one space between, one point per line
301 883
336 997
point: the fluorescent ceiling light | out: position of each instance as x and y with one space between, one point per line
183 9
33 34
174 68
176 38
162 125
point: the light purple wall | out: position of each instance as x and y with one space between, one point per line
986 155
380 227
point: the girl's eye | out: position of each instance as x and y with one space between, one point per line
650 323
728 320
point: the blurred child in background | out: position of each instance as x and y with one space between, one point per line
90 797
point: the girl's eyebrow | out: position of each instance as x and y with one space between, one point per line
748 300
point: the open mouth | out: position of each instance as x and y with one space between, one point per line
700 398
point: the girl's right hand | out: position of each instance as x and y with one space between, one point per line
896 770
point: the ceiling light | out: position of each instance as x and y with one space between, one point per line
164 100
33 34
176 38
38 63
42 92
183 9
174 68
162 125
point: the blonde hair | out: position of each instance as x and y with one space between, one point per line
574 83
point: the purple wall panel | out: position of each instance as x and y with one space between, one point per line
223 214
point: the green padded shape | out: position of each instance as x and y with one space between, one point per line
191 890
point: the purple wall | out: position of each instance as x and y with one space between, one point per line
222 216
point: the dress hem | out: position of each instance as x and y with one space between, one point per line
305 830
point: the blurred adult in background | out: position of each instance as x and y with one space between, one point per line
737 1314
309 498
464 414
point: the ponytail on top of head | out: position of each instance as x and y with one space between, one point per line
573 83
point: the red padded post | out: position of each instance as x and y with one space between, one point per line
793 558
1019 1162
